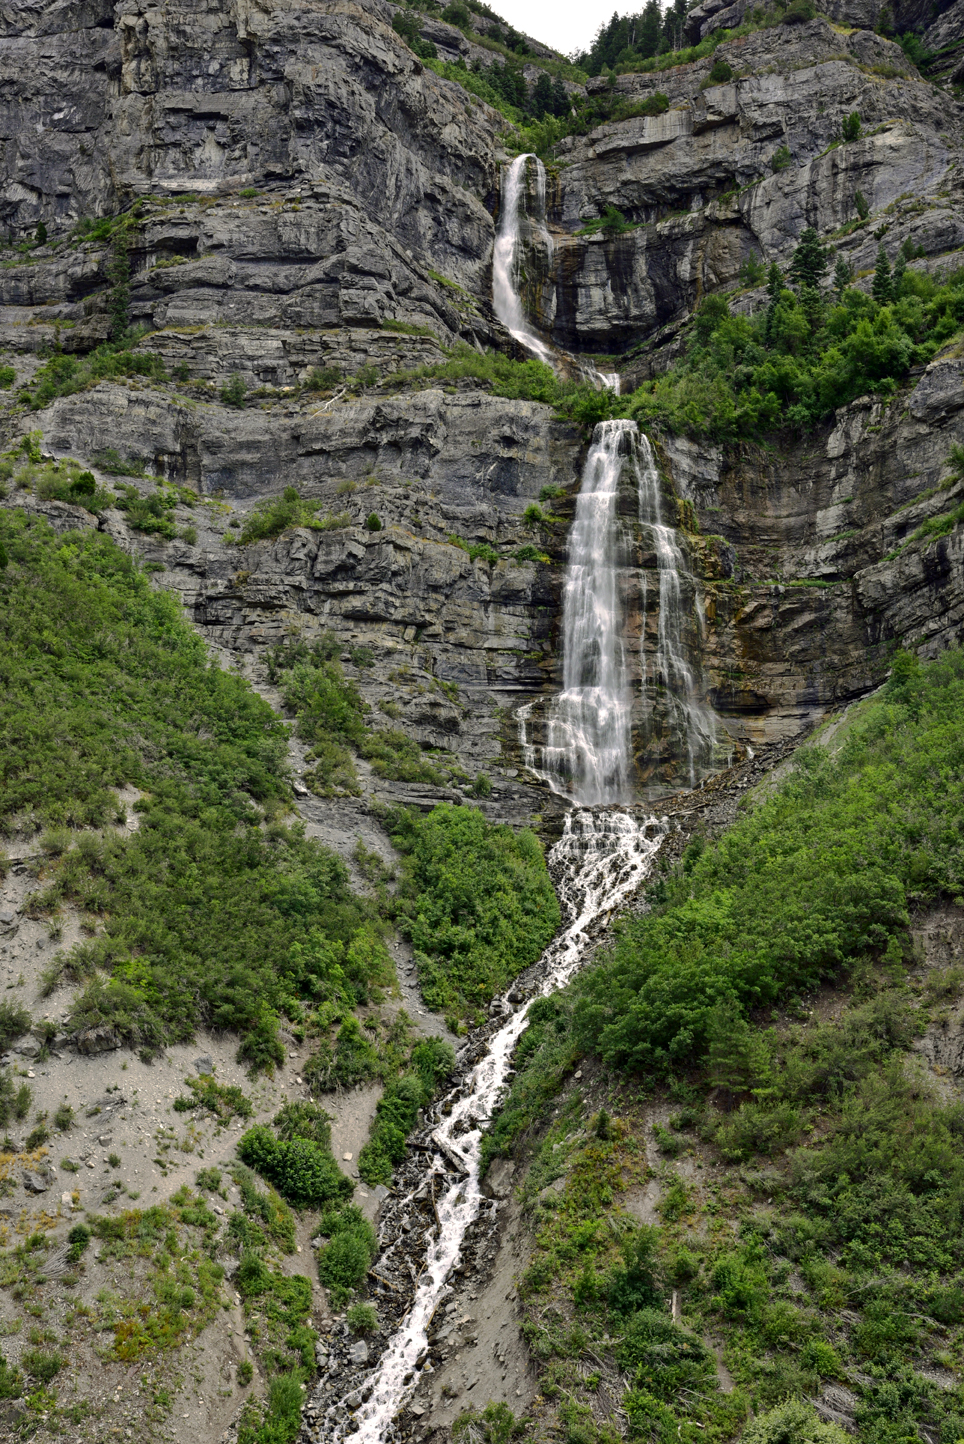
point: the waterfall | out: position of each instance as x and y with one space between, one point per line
519 228
671 682
508 254
603 856
587 751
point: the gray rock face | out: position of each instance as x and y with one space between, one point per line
361 249
710 156
202 98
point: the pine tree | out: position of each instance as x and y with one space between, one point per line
811 260
648 29
774 283
897 279
561 104
119 272
774 287
882 287
541 104
843 274
41 234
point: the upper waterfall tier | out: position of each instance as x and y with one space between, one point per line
523 248
508 255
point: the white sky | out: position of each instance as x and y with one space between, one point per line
566 25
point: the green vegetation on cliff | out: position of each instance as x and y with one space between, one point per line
476 902
213 913
816 881
806 1165
802 355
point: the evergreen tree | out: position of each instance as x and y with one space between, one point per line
561 104
774 287
541 103
843 274
811 260
648 30
897 279
119 272
850 127
739 1057
882 287
41 234
673 22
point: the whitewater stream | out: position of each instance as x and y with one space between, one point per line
605 851
601 859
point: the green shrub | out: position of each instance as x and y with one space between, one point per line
362 1318
11 1381
303 1120
78 1240
323 378
794 1422
40 1365
663 1358
224 1100
372 522
64 1118
303 1172
14 1022
8 376
780 160
110 460
65 375
346 1259
721 71
476 901
234 391
395 755
274 515
245 1368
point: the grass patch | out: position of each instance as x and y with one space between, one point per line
225 1101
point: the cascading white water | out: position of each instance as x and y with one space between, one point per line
507 254
520 227
587 751
602 857
671 673
600 861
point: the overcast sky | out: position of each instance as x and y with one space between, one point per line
566 25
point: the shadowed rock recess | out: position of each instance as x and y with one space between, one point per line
248 266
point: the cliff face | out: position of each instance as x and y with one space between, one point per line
308 196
